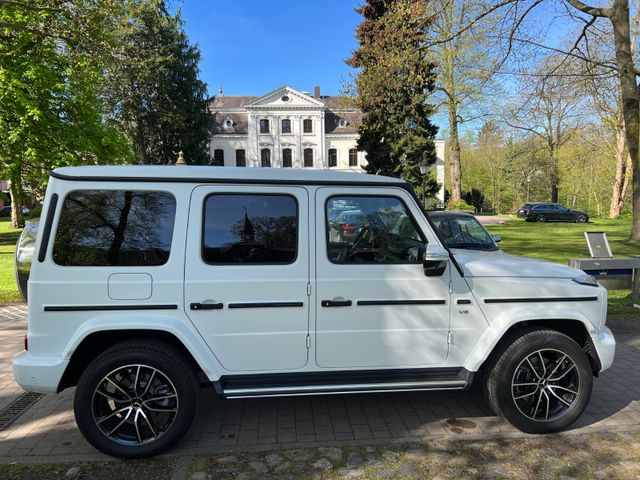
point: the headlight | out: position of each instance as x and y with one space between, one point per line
586 280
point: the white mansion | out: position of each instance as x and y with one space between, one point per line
290 128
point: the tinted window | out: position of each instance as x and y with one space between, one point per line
114 228
375 230
250 229
463 232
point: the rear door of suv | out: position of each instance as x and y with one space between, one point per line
247 274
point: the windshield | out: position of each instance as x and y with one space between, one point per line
464 232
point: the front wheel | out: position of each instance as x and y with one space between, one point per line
581 219
541 382
137 399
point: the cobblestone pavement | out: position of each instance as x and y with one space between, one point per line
47 431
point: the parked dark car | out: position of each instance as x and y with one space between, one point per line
551 212
6 211
463 230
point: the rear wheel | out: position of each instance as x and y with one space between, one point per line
540 382
137 399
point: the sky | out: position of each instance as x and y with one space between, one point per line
251 47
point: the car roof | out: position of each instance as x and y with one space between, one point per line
210 174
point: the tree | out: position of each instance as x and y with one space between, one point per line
51 108
155 88
465 65
393 87
549 108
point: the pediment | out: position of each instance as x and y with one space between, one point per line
283 98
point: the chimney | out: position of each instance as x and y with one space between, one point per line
316 92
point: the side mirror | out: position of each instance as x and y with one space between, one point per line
436 259
496 238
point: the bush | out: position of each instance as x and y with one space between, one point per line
432 203
35 213
476 198
461 205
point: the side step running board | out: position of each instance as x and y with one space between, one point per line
341 382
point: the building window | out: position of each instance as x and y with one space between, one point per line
307 125
250 229
265 157
286 126
104 228
218 157
308 157
241 159
353 157
333 157
342 123
287 161
264 125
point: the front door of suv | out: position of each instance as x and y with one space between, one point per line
246 275
375 307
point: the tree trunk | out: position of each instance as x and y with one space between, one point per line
17 219
553 173
619 17
454 157
620 181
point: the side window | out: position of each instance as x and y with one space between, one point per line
250 229
114 228
371 230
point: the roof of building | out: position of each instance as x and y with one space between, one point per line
209 174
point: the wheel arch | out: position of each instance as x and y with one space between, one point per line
94 343
574 329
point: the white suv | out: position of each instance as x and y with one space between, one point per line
146 278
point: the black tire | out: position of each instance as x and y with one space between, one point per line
505 369
541 218
166 370
581 219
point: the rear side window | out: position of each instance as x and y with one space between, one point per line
250 229
115 228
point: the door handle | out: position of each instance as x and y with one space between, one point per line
206 306
336 303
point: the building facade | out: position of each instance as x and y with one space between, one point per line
287 128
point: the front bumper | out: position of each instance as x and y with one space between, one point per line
37 373
605 345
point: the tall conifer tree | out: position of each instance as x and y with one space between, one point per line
393 85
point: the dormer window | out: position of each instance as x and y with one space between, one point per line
342 123
228 123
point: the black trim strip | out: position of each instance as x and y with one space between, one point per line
464 302
238 181
540 300
87 308
343 377
48 223
266 305
400 302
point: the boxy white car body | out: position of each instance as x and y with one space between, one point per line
476 300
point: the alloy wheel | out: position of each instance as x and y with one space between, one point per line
135 404
545 385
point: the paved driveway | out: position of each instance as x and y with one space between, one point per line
47 431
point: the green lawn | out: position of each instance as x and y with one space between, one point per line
8 238
558 242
